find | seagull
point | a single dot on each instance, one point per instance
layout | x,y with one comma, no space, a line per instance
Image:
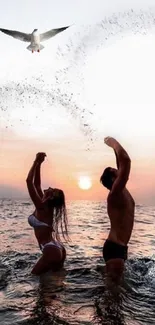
35,38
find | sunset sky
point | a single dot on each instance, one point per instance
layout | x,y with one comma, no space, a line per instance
93,80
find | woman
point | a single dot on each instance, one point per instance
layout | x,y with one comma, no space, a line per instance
49,215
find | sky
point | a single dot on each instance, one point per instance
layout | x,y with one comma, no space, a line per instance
91,81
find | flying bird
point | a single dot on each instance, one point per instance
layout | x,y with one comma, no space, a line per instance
35,37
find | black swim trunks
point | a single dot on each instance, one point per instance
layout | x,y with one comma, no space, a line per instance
112,250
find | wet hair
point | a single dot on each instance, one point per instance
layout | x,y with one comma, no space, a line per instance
107,178
59,215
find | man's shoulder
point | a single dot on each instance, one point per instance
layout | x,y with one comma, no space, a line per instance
120,197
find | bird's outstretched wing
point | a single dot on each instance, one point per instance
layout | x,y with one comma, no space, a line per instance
21,36
51,33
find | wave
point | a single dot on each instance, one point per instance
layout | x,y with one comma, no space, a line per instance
82,288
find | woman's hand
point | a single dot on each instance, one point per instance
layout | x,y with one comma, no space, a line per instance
40,157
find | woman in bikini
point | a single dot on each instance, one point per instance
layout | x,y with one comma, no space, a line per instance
48,217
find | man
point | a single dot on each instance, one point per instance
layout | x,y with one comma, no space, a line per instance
120,208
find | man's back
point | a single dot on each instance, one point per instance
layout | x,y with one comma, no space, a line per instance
120,209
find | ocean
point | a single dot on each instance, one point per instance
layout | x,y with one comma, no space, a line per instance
77,294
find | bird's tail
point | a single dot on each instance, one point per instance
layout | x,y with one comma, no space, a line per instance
35,48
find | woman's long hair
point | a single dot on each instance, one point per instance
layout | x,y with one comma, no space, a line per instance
59,218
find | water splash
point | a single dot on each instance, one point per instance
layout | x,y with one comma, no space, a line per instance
50,89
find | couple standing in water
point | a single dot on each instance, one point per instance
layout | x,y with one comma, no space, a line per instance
50,218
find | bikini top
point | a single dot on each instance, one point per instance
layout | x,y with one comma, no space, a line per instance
34,222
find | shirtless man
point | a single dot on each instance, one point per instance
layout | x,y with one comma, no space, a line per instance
120,208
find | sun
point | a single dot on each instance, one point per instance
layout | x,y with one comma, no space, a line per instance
85,183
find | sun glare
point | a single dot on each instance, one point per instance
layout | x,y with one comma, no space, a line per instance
85,183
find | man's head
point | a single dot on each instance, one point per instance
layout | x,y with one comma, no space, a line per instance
108,177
